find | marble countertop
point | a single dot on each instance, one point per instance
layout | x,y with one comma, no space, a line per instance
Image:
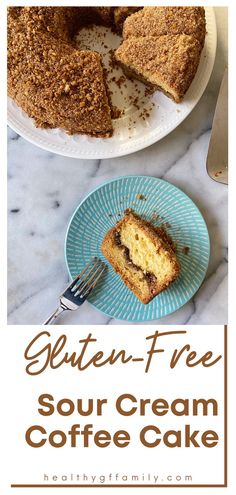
44,189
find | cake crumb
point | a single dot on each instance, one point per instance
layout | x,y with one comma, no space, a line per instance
154,216
185,249
141,197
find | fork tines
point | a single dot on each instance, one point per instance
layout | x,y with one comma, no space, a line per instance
88,278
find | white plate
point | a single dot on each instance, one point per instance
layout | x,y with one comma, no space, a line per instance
136,128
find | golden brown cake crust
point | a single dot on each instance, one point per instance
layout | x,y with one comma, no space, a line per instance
170,61
157,21
163,244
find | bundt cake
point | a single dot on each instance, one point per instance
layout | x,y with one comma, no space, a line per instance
162,47
143,255
60,85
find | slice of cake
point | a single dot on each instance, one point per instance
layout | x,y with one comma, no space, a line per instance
156,21
143,255
168,63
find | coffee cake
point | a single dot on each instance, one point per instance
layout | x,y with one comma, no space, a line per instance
143,255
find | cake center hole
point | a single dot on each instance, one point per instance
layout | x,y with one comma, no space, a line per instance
127,96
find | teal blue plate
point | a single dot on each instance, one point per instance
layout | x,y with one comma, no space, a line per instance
154,199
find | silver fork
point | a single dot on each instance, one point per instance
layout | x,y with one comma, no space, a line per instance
79,289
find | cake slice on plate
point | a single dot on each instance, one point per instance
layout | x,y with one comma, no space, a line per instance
143,255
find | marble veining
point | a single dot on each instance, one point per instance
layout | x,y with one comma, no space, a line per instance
44,189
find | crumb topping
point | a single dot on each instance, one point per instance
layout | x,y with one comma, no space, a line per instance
59,84
168,62
157,21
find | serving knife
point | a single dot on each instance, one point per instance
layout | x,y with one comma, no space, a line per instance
217,157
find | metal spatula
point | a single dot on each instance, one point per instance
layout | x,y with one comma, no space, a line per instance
217,158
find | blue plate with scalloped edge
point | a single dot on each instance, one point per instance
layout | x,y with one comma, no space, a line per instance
155,200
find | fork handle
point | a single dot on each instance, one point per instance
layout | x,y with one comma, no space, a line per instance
54,315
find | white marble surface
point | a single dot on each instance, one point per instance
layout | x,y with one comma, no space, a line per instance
44,189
